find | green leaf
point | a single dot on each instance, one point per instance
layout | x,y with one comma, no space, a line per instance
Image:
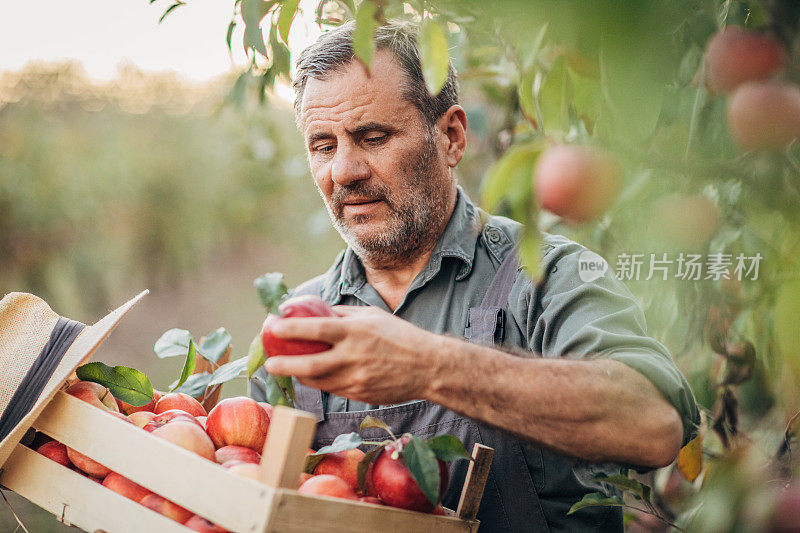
343,442
554,93
281,56
255,356
421,462
595,499
435,55
229,35
627,484
288,11
279,390
188,365
311,463
271,290
195,385
530,248
510,179
125,383
169,10
215,345
448,448
173,343
253,11
363,42
228,371
372,422
363,467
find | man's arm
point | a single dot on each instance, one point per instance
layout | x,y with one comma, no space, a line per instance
599,410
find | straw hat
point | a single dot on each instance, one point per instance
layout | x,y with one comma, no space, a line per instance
39,351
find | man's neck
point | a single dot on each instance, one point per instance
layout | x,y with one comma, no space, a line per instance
392,280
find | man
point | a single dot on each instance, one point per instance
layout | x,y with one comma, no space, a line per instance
424,269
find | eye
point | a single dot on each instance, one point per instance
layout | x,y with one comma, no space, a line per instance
376,139
324,149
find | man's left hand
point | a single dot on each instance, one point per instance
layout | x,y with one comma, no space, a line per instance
375,356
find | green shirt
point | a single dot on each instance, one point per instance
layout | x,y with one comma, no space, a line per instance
596,319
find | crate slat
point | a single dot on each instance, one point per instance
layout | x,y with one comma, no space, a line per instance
77,500
300,513
177,474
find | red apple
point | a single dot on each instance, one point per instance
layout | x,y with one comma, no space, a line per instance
166,507
764,115
188,435
126,487
576,182
304,476
439,510
95,394
169,416
397,488
203,420
342,464
241,453
128,409
735,55
56,451
268,408
328,485
238,421
198,523
141,418
233,462
300,306
179,400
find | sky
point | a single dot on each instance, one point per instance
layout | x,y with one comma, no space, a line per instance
101,34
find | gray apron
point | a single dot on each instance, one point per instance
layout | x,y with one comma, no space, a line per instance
510,501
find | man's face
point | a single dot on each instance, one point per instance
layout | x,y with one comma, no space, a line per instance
378,166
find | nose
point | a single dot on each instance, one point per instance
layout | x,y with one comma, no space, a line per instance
349,165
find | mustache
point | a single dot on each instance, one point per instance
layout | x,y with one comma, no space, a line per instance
360,190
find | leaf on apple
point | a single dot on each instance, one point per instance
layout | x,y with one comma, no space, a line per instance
363,467
423,466
595,499
215,345
125,383
627,484
372,422
271,290
255,356
343,442
173,343
188,365
448,448
228,371
194,386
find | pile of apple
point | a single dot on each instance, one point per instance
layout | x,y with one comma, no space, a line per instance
232,434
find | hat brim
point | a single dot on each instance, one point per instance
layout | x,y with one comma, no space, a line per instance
80,351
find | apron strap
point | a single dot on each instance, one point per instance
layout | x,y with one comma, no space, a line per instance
487,323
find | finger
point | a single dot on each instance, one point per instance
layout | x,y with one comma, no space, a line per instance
329,330
303,366
351,310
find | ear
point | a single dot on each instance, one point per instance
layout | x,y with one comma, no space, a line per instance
453,124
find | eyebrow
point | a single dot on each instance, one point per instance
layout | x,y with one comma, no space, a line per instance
355,132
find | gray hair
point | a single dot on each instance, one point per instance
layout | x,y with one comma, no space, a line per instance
334,50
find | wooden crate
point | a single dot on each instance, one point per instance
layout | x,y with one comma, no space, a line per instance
236,503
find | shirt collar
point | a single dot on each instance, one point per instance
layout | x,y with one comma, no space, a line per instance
457,241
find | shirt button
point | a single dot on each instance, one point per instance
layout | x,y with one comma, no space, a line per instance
493,235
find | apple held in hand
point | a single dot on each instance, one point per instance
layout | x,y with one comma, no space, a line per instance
238,421
300,306
395,485
179,400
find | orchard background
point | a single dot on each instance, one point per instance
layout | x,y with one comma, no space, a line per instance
195,189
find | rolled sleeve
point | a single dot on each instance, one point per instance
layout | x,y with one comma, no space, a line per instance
597,319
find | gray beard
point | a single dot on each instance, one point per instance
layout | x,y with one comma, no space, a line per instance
417,217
